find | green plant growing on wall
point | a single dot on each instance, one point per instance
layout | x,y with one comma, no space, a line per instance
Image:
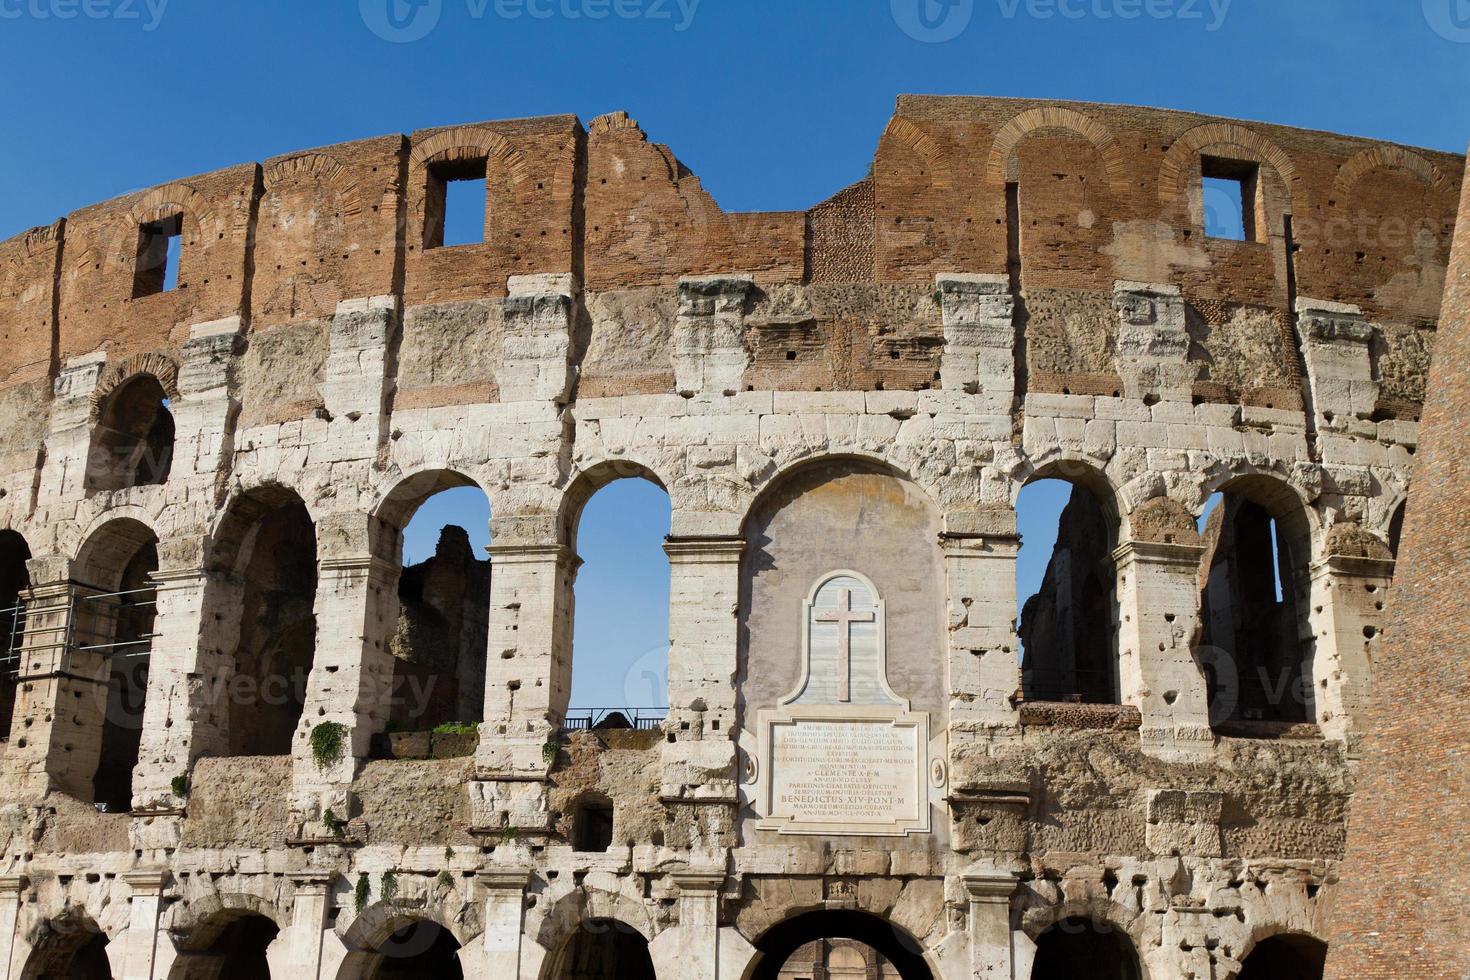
510,834
549,751
446,879
388,885
180,785
333,825
328,742
457,728
361,892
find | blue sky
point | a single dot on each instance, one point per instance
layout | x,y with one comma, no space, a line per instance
776,104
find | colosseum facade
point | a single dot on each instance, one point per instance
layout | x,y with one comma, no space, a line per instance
225,397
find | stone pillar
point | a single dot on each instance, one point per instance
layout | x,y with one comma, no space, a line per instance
709,336
536,346
69,442
61,693
1336,340
527,678
354,391
204,412
140,943
991,951
186,713
704,592
1153,342
505,912
980,552
11,887
309,923
699,923
979,335
352,667
1158,606
1353,596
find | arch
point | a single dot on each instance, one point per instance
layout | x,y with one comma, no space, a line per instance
229,943
593,478
1002,165
908,134
1187,148
776,945
563,917
70,945
263,593
1084,946
1080,471
313,170
601,949
1388,157
1396,528
397,507
782,475
133,428
163,370
387,942
196,923
472,143
169,201
1285,956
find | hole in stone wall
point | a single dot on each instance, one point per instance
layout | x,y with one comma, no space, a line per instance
1229,189
160,251
456,207
592,827
133,443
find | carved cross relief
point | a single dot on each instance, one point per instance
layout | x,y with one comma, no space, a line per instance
843,645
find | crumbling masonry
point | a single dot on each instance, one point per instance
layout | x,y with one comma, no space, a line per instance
203,490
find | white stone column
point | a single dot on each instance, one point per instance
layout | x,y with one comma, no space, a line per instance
704,592
536,344
1153,341
1336,340
1158,606
709,352
699,923
352,667
141,940
979,335
204,412
1353,596
505,913
11,887
64,472
308,923
991,950
984,651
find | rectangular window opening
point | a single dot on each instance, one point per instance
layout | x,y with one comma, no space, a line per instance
160,250
1230,191
457,206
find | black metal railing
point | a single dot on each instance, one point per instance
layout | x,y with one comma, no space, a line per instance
637,719
116,625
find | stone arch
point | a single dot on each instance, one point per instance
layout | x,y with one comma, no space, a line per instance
1082,471
397,506
160,366
317,169
70,944
911,136
1002,164
224,936
773,480
561,919
593,478
200,218
1041,916
390,940
1104,947
1295,954
1186,149
133,429
1388,157
472,143
895,943
194,923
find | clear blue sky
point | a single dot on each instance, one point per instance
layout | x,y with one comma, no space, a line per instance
776,104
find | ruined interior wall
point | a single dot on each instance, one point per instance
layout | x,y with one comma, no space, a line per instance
1408,832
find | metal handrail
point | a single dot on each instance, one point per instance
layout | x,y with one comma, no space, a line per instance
98,635
641,719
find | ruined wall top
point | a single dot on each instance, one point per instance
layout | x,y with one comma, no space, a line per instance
1101,194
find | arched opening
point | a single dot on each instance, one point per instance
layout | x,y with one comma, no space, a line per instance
1065,583
266,552
1255,639
592,823
1286,957
113,614
14,580
416,950
439,646
69,951
229,946
856,938
620,638
603,949
1396,529
133,444
1078,947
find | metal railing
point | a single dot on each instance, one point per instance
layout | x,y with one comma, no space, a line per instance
114,625
637,719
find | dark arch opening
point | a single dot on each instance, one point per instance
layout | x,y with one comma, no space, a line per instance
267,552
1077,947
1396,529
1286,957
417,951
79,954
134,441
1066,606
1255,640
603,949
14,580
783,941
234,948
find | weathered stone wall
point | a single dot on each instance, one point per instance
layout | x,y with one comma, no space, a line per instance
1019,290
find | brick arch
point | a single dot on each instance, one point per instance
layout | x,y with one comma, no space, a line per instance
1008,139
317,168
158,366
1186,149
1388,157
471,143
167,201
909,135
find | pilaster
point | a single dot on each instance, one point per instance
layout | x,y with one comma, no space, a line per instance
1352,594
979,334
984,651
991,949
1153,342
140,950
505,913
536,344
709,335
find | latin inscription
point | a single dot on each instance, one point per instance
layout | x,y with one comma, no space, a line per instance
847,772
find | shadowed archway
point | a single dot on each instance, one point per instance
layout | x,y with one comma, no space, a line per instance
894,944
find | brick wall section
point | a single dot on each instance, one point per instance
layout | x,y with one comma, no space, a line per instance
1404,912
